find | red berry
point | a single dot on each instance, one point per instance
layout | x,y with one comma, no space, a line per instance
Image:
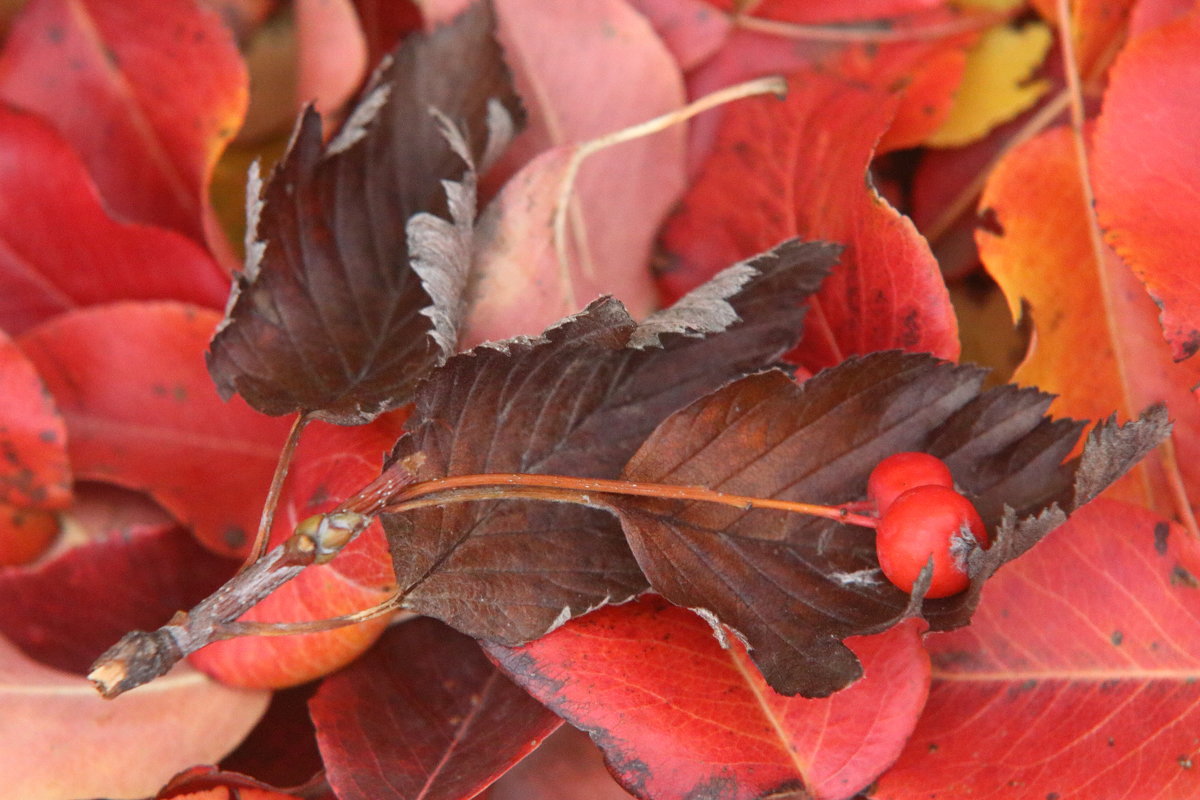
900,472
928,521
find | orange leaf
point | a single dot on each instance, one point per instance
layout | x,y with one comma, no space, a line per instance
1096,341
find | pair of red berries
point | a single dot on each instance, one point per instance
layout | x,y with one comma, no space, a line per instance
921,516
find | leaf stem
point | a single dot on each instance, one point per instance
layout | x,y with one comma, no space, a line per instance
772,84
561,488
267,521
875,31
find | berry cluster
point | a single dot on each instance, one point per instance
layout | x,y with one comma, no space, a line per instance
921,516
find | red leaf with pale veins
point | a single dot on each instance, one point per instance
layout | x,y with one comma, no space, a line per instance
1144,149
69,609
423,715
1079,677
63,740
330,464
34,472
142,412
678,716
45,192
799,167
148,91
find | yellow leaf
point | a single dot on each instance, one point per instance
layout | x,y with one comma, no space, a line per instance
996,85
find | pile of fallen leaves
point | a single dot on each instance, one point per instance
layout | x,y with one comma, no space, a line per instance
577,245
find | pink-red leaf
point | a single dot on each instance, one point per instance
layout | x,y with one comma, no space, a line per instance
423,716
148,92
678,716
60,248
34,472
1143,150
142,412
1078,677
64,740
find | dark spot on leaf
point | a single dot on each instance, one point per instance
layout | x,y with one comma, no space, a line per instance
55,34
234,536
1112,742
988,221
1188,345
112,57
910,334
1052,796
1161,531
1109,685
179,393
933,748
48,436
1116,638
1185,761
1180,576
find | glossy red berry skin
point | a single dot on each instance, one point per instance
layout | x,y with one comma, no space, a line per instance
927,521
899,472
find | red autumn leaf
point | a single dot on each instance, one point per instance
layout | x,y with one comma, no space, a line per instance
282,748
1149,14
809,157
385,22
1035,241
423,715
210,783
329,465
64,612
577,401
621,195
147,91
45,192
64,740
691,29
142,412
34,472
1097,28
358,249
1143,150
1078,677
678,716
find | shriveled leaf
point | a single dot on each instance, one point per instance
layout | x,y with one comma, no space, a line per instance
794,586
66,611
997,84
1096,343
358,249
62,249
578,401
147,91
424,714
34,472
141,412
641,679
1143,152
64,740
621,195
799,167
1077,677
330,463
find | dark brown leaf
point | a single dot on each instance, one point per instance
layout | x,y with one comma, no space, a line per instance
578,401
358,250
794,586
